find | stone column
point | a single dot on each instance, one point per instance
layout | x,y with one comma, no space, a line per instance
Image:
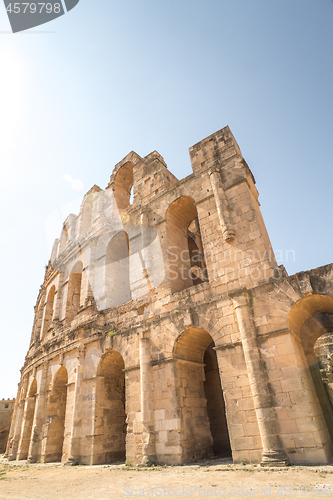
273,453
75,439
39,418
13,423
144,253
28,417
58,298
222,205
148,434
18,424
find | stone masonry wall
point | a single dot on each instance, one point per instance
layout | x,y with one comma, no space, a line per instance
164,331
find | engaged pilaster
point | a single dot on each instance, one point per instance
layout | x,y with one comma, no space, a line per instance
35,446
222,205
273,453
148,434
74,445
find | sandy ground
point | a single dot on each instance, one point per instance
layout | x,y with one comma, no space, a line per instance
212,479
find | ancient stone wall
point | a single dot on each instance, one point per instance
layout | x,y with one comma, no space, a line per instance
164,331
6,412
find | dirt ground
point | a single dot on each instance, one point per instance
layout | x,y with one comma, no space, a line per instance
211,479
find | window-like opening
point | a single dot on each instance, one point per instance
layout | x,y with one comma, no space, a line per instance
185,250
6,406
123,186
324,352
74,292
48,310
131,195
63,240
86,215
215,404
28,418
110,419
311,318
56,417
204,429
322,374
117,271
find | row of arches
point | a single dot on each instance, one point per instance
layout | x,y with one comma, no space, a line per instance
46,311
183,253
197,388
311,318
195,360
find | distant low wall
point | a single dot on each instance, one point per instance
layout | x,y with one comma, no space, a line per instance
6,411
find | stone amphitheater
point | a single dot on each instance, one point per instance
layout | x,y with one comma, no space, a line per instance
165,332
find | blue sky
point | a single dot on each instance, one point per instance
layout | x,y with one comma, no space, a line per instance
79,93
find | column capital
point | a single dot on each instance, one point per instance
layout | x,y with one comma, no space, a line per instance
144,341
213,170
81,348
240,297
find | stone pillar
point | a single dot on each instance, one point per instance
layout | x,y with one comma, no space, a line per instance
75,439
222,205
13,423
95,436
28,417
148,434
58,298
144,253
272,453
39,418
18,424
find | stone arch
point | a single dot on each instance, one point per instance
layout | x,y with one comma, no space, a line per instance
86,215
123,184
310,318
117,270
56,413
38,322
48,310
183,237
28,418
301,313
74,291
63,240
110,413
203,425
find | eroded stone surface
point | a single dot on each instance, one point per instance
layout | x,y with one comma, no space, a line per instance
165,331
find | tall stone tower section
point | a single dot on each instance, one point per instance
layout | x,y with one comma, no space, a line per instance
232,222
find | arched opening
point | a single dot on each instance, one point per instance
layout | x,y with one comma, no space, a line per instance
110,416
123,184
117,271
185,250
86,216
37,322
56,417
48,311
28,418
311,318
63,240
215,404
74,291
204,431
324,353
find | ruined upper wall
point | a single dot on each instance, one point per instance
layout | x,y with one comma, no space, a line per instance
6,411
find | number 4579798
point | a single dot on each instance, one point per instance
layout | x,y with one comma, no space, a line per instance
32,8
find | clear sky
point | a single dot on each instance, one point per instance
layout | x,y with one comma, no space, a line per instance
81,92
